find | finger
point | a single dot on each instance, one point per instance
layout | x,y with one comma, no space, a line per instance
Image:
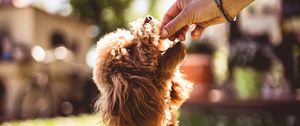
200,27
174,25
181,33
185,28
180,36
196,33
173,11
172,38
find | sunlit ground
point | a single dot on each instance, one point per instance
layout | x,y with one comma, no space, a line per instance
82,120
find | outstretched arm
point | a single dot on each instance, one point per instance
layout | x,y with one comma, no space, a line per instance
202,13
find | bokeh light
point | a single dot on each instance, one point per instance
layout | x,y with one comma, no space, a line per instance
91,57
92,31
38,53
21,3
60,52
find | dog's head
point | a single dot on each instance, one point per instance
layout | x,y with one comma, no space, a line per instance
135,51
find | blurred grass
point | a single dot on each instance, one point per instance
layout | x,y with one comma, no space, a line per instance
82,120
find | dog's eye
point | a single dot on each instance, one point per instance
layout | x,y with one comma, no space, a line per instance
130,49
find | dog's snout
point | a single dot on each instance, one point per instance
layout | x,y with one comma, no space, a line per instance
147,19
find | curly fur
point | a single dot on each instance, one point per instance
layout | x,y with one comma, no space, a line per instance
139,85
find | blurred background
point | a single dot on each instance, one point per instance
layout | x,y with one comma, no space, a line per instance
245,73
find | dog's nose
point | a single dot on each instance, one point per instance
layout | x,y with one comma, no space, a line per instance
147,19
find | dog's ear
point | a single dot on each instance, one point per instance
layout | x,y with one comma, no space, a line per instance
145,102
132,101
111,100
170,60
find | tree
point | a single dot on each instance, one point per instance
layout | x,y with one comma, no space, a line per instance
107,14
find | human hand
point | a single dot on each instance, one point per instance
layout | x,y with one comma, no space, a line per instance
183,13
202,13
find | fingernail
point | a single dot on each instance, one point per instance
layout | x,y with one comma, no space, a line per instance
197,33
163,33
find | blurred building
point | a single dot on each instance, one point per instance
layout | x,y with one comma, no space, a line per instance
36,27
42,62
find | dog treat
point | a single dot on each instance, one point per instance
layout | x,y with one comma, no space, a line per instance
139,85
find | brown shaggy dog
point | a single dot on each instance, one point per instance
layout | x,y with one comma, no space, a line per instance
139,84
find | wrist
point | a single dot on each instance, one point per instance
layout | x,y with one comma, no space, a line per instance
234,7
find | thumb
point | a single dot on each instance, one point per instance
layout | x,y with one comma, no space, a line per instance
174,25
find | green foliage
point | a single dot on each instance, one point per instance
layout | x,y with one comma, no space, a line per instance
107,14
152,7
247,82
212,118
